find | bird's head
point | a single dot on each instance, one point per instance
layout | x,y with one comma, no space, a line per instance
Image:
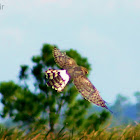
85,71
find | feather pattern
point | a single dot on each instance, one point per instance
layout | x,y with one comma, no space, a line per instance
58,79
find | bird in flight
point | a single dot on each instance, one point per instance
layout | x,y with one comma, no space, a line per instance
58,79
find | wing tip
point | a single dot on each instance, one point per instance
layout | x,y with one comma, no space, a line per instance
109,109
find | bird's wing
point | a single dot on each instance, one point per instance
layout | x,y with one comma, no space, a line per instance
62,59
58,79
88,91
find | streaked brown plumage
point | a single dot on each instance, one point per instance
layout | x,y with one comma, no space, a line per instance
77,74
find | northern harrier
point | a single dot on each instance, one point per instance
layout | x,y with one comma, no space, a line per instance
58,79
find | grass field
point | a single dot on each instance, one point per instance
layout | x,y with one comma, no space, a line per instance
115,133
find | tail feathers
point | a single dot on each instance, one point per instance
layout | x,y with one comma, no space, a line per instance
57,79
55,84
51,74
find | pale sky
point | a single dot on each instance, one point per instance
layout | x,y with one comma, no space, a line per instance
107,32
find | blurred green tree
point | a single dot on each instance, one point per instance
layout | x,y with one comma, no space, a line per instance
137,96
120,105
38,104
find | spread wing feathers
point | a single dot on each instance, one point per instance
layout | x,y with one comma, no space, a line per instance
62,59
58,79
88,91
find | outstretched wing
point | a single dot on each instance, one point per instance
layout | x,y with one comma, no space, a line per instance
58,79
88,91
62,59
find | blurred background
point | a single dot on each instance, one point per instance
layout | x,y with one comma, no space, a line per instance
105,33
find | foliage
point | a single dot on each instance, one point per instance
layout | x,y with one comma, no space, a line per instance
120,104
42,105
115,133
137,95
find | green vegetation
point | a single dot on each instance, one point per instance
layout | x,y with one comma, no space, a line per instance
116,133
